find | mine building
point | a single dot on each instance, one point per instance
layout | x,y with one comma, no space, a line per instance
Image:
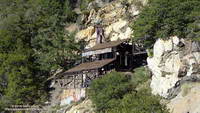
97,61
104,57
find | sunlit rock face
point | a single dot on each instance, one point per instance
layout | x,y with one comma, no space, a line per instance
115,18
172,60
187,101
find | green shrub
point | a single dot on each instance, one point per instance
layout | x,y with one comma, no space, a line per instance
141,102
71,16
118,93
150,52
105,92
140,75
83,4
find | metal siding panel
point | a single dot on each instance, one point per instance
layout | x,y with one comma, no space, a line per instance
106,50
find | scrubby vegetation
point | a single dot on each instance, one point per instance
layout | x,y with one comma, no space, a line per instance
165,18
120,93
84,4
33,45
106,91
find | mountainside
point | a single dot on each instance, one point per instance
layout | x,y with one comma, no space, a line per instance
41,40
115,18
174,62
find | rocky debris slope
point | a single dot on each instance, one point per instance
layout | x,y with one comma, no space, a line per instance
83,107
115,18
175,67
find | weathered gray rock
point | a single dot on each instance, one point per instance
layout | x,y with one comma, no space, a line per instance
174,91
187,99
195,46
173,59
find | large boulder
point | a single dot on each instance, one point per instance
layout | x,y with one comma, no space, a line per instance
172,60
85,33
118,30
113,19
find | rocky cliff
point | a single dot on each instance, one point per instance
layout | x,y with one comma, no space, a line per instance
174,65
115,18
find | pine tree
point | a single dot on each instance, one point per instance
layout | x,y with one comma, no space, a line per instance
33,44
165,18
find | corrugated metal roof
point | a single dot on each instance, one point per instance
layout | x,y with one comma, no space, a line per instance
90,65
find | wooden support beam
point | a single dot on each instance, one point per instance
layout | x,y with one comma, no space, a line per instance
74,81
138,53
82,83
133,47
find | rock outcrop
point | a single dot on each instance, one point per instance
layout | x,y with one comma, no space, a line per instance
115,18
172,60
175,63
175,67
188,100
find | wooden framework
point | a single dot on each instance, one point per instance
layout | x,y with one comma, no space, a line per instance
80,80
100,59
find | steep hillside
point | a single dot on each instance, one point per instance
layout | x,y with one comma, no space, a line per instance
115,18
174,61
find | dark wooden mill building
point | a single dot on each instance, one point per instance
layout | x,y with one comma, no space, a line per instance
97,61
100,59
104,57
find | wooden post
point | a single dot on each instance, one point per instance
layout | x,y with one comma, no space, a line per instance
82,85
133,47
74,77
